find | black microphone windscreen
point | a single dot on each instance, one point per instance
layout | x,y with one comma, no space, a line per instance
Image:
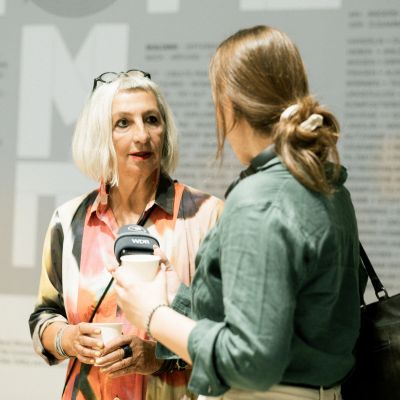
133,239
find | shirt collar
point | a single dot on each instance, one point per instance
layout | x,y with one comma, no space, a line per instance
257,163
165,196
261,159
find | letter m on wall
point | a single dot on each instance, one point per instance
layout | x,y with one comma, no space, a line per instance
51,75
51,78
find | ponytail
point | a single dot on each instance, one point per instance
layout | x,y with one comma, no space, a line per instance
305,138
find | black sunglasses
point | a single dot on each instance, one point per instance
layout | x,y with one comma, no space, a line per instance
108,77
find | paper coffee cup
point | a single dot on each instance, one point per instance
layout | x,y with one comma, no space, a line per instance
109,330
142,267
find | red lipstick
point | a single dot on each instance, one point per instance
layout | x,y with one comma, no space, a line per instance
143,155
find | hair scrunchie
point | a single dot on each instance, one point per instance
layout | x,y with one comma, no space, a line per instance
313,122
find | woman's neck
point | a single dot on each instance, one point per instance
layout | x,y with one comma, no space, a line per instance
246,142
129,199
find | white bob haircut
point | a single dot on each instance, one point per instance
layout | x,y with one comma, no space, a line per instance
92,146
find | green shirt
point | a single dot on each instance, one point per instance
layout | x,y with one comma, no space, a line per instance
276,287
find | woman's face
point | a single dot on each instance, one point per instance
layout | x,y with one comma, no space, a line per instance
138,133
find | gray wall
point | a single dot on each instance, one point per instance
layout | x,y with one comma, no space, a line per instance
50,50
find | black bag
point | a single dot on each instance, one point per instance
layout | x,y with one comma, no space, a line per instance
376,375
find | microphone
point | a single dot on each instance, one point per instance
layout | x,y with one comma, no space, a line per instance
133,239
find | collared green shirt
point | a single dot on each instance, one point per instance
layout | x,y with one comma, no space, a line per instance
276,287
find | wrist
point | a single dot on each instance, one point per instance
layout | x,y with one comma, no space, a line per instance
69,335
58,342
171,366
150,318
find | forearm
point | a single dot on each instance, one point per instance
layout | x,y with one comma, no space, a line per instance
49,337
164,325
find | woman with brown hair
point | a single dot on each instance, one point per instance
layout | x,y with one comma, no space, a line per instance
275,299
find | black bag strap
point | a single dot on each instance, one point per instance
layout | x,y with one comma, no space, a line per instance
380,291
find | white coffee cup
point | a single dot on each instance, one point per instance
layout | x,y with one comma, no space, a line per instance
109,330
139,267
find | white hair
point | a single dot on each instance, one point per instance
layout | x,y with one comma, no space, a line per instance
92,146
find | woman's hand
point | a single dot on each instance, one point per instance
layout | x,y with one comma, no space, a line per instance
172,278
138,299
82,341
142,361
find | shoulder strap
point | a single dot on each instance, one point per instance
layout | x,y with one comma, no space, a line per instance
379,289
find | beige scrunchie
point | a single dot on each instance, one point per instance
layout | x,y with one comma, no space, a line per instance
313,122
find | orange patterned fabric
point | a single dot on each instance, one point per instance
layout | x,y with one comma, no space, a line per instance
79,247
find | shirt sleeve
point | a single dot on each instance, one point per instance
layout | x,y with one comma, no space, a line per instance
49,307
259,252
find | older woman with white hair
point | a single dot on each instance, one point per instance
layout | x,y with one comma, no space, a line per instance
126,140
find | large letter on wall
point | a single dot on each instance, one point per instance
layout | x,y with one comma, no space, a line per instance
52,77
2,7
163,6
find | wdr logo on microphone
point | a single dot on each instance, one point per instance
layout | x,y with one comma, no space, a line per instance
140,241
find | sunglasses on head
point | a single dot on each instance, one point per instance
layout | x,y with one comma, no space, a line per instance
108,77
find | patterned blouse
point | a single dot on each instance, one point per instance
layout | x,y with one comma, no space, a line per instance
77,250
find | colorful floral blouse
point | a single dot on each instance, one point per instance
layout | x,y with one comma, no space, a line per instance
77,250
